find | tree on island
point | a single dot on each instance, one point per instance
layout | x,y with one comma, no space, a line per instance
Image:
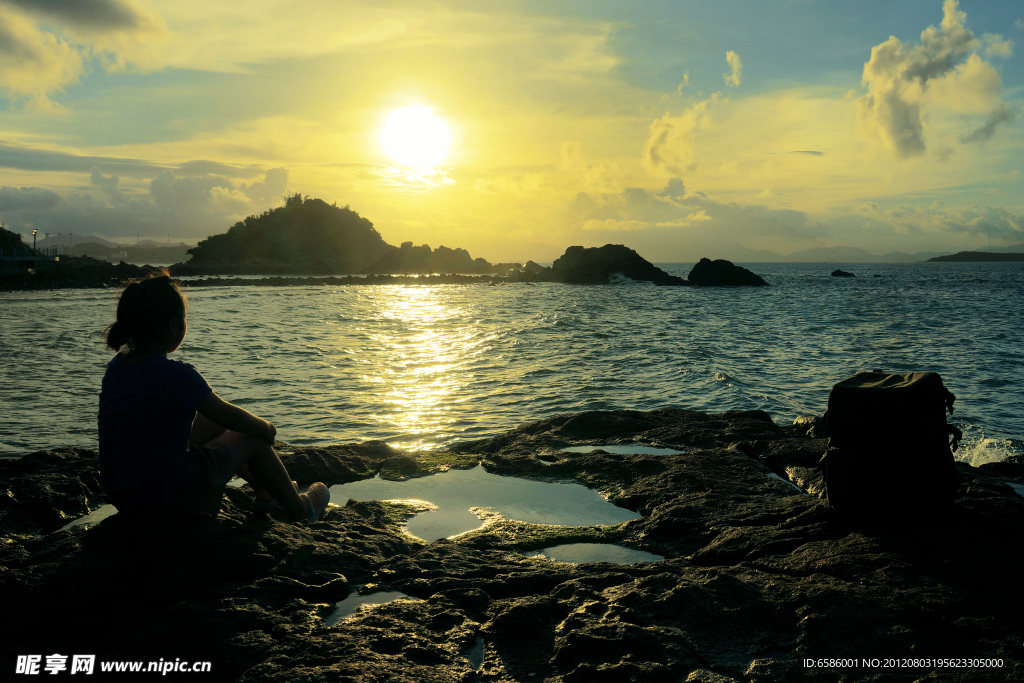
10,240
311,236
305,232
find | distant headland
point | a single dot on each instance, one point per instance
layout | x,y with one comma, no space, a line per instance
976,257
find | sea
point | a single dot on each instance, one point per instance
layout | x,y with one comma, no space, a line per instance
424,366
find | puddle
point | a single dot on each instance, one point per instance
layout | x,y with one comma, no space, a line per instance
623,449
582,553
787,481
456,491
1019,488
354,603
476,654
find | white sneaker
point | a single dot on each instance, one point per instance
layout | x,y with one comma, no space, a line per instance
319,496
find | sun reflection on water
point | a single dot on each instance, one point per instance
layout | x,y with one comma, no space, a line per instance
427,349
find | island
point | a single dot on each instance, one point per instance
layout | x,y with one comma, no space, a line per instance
976,257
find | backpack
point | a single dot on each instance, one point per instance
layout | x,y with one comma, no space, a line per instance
889,455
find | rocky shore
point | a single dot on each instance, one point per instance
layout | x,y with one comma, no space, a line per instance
758,578
610,264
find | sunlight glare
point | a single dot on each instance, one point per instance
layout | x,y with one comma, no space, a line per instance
414,136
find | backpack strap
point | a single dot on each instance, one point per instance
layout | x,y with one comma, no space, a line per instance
957,435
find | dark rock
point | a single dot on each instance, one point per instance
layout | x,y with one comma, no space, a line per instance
596,265
75,272
722,273
757,578
45,490
841,273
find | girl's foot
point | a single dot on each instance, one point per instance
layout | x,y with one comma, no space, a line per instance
315,500
269,503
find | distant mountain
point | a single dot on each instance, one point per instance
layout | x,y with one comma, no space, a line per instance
67,239
856,255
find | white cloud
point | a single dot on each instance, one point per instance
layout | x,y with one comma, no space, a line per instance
997,46
670,145
903,82
736,66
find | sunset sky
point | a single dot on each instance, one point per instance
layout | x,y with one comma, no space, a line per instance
681,129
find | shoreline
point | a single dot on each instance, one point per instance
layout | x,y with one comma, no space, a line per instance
757,578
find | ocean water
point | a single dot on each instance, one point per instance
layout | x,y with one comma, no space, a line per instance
423,366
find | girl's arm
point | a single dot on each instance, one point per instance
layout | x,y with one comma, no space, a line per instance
236,419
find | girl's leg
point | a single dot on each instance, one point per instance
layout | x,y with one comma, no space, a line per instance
205,430
266,470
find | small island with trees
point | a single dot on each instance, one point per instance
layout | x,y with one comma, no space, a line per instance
310,236
976,257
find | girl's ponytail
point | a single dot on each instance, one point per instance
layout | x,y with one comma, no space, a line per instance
145,312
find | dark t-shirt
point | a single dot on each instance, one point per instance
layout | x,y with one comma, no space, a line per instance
145,420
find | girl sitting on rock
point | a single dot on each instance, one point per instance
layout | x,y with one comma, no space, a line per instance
168,443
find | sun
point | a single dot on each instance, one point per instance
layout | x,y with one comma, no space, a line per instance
415,137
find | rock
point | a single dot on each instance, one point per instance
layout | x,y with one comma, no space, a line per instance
596,265
45,490
841,273
758,577
75,272
721,273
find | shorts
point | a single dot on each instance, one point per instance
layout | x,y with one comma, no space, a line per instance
214,468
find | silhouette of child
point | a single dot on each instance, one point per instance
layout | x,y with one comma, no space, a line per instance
168,443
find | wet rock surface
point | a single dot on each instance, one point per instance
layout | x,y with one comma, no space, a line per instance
75,272
757,578
722,273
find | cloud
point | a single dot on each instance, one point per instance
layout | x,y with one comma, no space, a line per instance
27,198
1001,114
180,194
35,159
737,68
938,218
94,14
670,143
673,207
35,63
526,185
274,185
204,167
903,82
107,184
996,46
190,207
